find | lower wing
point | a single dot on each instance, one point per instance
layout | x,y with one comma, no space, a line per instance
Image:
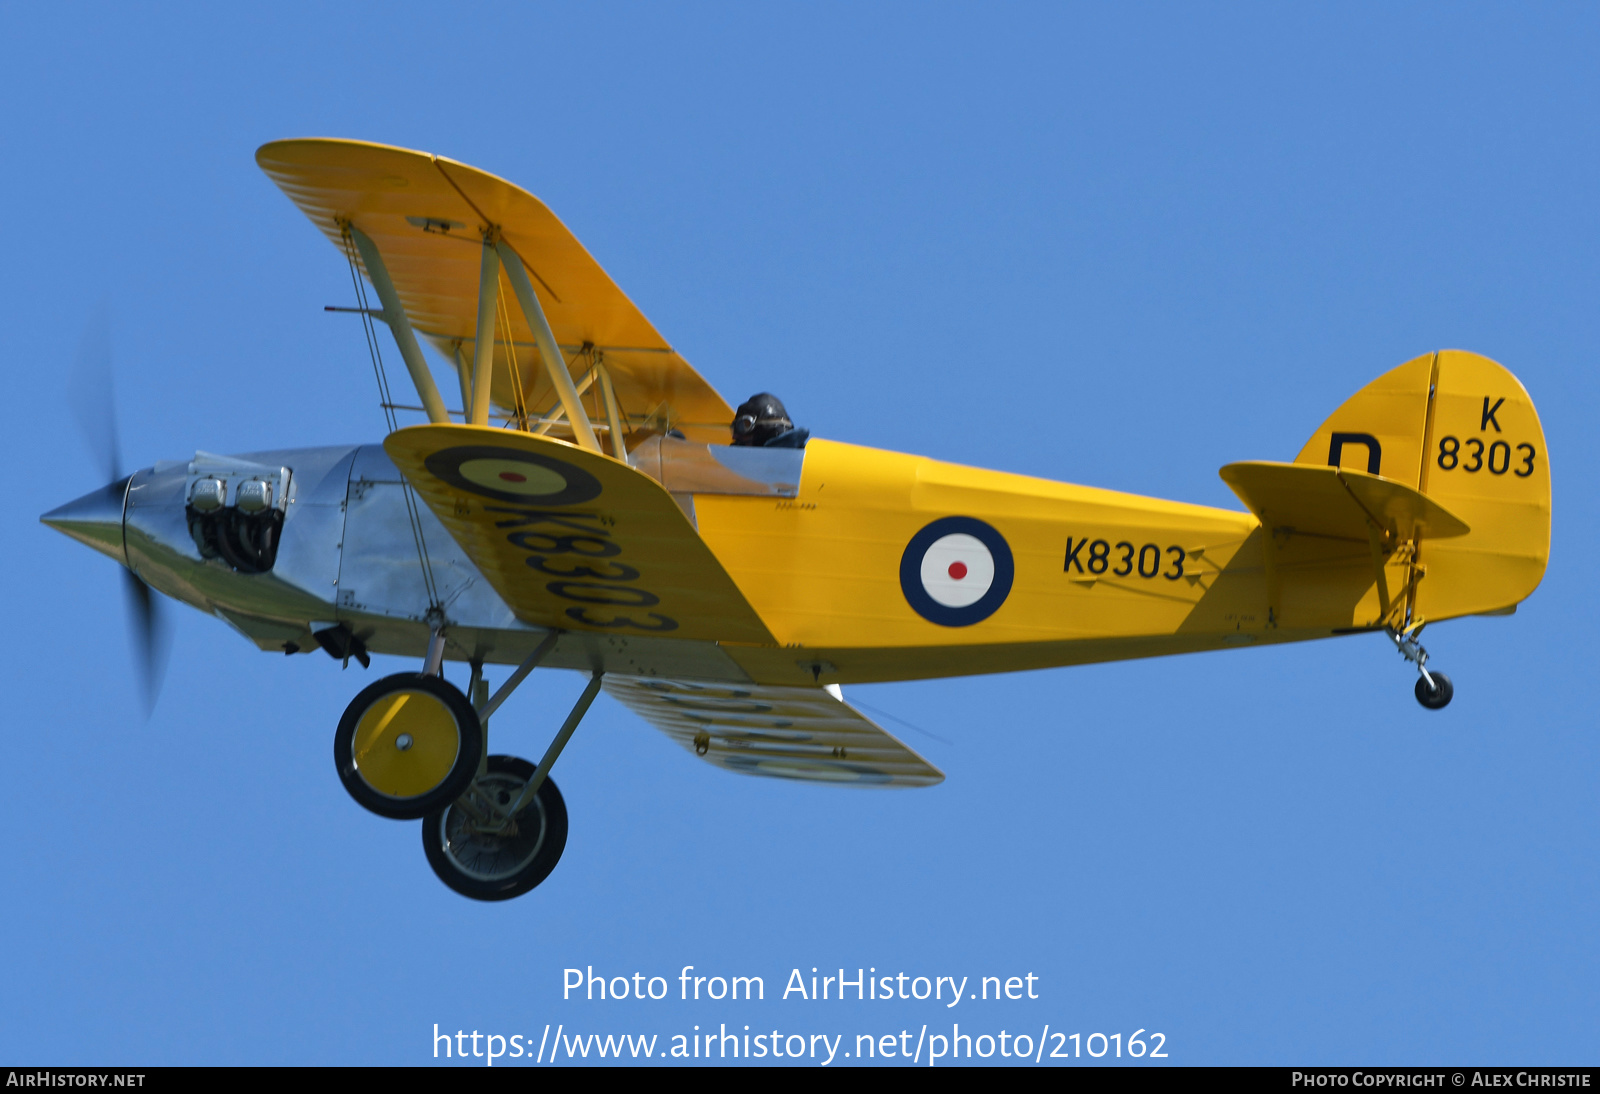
782,732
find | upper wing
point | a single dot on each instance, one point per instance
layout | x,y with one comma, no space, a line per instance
1330,501
425,213
572,539
789,733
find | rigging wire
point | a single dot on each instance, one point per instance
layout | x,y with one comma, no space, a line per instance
386,400
909,725
588,354
557,413
503,322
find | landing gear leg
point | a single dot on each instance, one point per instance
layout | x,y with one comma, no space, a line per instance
504,835
1433,689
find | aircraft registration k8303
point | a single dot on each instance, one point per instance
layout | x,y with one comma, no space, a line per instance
587,512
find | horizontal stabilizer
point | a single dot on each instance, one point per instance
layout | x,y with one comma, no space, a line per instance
781,732
1338,502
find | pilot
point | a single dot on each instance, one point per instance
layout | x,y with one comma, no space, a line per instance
761,422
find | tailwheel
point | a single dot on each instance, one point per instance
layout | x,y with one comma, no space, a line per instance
497,841
1435,691
408,745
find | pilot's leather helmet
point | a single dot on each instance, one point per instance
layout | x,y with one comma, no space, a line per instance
759,419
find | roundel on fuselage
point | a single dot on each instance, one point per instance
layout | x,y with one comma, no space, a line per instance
956,572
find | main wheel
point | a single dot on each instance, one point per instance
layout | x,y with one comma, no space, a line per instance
488,865
1437,697
407,745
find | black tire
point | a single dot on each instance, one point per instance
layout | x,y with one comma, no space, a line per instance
486,867
1437,697
464,765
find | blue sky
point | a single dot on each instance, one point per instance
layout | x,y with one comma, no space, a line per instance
1119,246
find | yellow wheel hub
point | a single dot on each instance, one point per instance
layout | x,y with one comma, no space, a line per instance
406,744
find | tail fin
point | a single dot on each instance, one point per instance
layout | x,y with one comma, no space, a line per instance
1461,429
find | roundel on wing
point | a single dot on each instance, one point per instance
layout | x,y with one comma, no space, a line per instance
956,572
506,474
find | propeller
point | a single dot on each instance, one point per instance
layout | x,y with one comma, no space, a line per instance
92,398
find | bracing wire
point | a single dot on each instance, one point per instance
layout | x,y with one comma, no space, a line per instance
386,400
909,725
503,322
367,328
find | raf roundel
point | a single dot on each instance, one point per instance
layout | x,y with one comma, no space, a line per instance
956,572
508,474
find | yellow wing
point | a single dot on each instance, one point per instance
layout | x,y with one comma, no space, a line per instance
782,732
426,214
572,539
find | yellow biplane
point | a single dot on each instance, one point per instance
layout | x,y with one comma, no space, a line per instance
585,509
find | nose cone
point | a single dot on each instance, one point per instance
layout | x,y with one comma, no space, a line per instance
95,519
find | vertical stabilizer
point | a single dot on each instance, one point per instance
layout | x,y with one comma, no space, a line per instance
1461,429
1380,429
